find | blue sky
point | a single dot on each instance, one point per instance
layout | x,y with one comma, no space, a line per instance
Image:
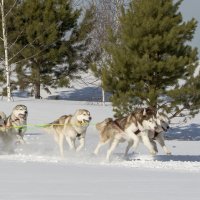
191,9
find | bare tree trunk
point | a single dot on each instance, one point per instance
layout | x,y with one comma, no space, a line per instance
37,90
36,80
5,42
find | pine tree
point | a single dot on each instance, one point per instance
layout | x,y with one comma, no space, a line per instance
151,61
50,43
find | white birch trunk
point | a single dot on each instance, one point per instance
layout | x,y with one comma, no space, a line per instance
5,42
103,96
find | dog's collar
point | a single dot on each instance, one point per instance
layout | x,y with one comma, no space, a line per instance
80,123
116,123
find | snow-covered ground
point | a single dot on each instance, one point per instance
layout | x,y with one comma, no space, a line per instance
37,172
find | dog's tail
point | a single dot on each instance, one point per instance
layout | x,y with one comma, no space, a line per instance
101,125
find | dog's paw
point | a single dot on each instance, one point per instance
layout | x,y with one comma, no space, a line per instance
153,152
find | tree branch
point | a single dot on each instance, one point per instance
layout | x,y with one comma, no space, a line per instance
15,40
11,8
178,112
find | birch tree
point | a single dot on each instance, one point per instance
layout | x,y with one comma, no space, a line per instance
107,17
5,45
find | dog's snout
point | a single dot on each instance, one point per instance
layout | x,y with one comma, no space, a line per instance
90,118
26,112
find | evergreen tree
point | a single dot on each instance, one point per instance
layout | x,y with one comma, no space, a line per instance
151,61
51,45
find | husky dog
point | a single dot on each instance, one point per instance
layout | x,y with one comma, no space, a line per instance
126,129
2,118
2,122
158,135
70,127
14,127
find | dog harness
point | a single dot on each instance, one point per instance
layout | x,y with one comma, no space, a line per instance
116,123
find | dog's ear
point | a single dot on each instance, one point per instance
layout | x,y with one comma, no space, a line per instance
129,118
108,120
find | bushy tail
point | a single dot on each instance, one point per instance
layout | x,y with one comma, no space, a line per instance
101,125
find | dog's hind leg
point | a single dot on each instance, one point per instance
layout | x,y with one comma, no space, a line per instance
60,143
161,141
111,149
99,145
130,144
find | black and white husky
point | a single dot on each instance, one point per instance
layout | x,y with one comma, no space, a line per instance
130,128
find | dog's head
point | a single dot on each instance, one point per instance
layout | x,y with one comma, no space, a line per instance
83,116
149,124
146,119
162,121
20,112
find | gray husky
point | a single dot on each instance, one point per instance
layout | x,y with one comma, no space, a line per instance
70,127
14,127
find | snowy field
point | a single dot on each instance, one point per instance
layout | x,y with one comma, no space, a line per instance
36,171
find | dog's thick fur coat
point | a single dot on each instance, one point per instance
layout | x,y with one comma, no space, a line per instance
14,127
126,129
70,127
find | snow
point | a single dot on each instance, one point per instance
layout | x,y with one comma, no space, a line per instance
36,170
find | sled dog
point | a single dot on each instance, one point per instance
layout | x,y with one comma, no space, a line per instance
14,127
70,127
2,119
126,129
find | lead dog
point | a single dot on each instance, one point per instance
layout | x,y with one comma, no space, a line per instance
2,123
2,119
14,127
70,127
125,129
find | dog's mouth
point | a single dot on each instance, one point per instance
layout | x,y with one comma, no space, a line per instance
86,120
159,129
22,116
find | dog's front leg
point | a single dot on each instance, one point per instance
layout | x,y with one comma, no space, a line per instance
147,143
70,142
130,144
20,139
60,143
81,145
161,141
154,145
